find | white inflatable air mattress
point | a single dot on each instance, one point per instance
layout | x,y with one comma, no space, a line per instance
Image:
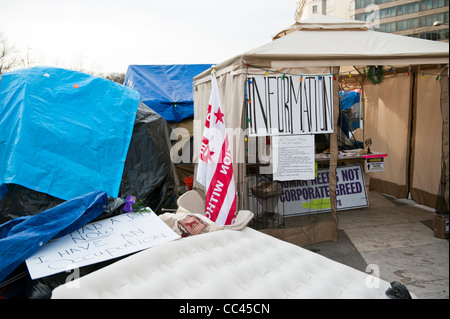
225,264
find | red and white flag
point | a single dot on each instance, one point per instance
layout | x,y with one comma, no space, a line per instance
215,167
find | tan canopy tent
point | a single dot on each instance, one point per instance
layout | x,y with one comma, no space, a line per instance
327,45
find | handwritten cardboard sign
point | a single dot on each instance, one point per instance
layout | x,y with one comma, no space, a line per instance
303,197
99,241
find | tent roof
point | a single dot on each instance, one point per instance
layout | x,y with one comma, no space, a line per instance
328,41
323,22
331,47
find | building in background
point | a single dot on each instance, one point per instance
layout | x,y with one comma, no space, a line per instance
427,19
335,8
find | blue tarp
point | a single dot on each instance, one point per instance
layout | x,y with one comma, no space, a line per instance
166,89
21,237
348,99
63,132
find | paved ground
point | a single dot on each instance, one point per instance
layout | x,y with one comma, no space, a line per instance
394,238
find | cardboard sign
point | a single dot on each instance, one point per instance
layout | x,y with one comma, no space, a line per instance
302,197
99,241
289,104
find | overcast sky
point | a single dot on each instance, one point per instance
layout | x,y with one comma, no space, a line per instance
109,35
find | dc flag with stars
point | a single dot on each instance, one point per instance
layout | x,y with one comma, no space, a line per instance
215,167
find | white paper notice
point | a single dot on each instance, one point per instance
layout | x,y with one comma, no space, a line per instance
99,241
293,157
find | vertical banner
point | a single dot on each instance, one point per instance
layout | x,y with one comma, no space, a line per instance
215,167
294,104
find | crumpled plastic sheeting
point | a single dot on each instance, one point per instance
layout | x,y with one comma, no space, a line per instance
20,201
64,133
166,89
22,237
348,99
149,173
398,291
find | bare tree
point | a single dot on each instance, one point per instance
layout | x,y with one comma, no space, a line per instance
8,56
83,63
116,77
27,60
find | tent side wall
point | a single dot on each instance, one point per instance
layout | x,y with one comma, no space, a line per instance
443,204
402,116
386,122
427,140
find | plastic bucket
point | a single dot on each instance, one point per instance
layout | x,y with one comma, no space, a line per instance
189,181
